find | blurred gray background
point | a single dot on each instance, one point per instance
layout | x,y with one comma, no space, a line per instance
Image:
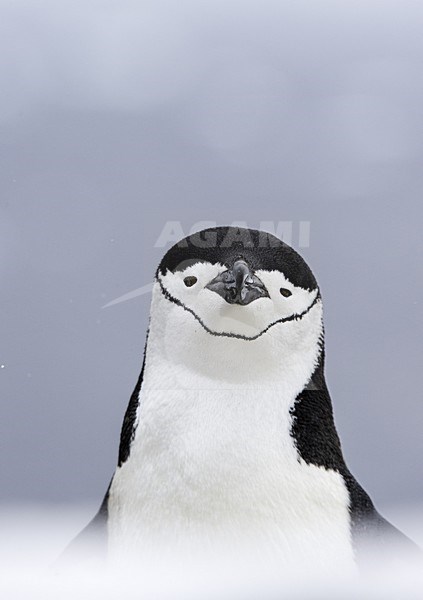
118,117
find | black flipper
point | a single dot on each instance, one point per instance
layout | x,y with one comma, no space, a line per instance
127,433
317,442
89,547
91,543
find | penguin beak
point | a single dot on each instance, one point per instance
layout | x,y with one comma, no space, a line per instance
238,285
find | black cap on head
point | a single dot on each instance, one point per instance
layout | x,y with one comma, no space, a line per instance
225,245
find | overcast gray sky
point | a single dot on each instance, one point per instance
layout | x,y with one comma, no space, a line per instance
118,117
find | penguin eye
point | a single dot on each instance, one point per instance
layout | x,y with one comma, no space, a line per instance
285,292
190,280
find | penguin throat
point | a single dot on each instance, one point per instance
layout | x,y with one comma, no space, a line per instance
249,338
187,357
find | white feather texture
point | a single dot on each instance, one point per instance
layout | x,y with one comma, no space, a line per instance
213,467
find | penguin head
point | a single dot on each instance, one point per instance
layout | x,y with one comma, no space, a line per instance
236,283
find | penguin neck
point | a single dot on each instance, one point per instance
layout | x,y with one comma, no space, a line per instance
180,354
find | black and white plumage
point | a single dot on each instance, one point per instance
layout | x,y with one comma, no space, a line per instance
229,436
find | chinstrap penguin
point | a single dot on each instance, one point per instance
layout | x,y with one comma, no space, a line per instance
229,439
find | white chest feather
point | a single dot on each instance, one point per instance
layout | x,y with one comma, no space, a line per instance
213,464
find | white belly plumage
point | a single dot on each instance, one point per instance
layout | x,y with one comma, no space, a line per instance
214,471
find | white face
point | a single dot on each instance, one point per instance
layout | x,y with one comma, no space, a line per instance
251,321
